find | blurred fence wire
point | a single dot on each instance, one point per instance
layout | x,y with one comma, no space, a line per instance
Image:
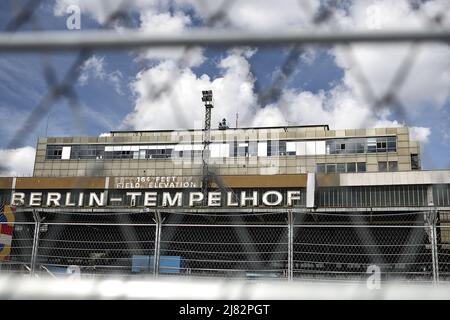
214,32
208,289
270,245
283,245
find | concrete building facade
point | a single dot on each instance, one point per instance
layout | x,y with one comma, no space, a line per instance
242,151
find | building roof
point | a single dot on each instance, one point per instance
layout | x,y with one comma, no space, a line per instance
324,126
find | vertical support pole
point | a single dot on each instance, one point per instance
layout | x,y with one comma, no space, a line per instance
431,220
434,246
290,219
34,249
156,256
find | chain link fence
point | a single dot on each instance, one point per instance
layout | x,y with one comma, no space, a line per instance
280,245
214,30
271,245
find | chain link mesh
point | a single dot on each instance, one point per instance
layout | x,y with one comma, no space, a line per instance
219,18
332,247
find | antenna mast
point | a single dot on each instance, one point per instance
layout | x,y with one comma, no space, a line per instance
207,99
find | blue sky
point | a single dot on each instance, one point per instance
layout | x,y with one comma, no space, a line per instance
116,89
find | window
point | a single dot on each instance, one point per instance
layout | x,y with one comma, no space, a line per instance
242,150
415,161
54,152
391,144
330,147
331,168
272,148
360,145
382,166
351,167
361,167
87,152
393,166
371,145
282,148
340,167
340,147
381,144
320,168
276,148
158,153
253,148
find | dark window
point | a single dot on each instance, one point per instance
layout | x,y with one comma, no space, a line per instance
54,152
282,148
157,153
391,144
320,168
360,146
88,152
393,166
382,166
340,167
381,144
351,167
415,161
361,167
331,168
276,148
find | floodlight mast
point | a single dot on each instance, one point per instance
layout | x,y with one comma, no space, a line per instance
207,98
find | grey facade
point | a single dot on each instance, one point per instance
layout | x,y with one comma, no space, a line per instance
242,151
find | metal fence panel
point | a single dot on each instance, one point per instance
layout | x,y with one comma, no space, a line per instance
96,248
345,252
249,251
16,252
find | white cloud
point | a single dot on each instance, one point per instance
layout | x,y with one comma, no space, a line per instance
265,15
379,63
181,105
419,134
17,162
169,23
338,108
94,68
343,106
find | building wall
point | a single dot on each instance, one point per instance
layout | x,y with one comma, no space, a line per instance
254,165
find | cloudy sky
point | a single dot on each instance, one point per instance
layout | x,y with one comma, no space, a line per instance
161,88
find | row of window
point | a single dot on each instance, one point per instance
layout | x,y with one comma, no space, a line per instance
341,167
361,145
224,150
383,166
378,196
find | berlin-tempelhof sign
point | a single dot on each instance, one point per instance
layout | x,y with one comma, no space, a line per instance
270,198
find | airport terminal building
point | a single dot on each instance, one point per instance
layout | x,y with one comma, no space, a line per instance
285,202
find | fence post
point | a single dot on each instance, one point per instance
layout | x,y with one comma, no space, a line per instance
290,245
157,243
434,247
34,249
431,223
